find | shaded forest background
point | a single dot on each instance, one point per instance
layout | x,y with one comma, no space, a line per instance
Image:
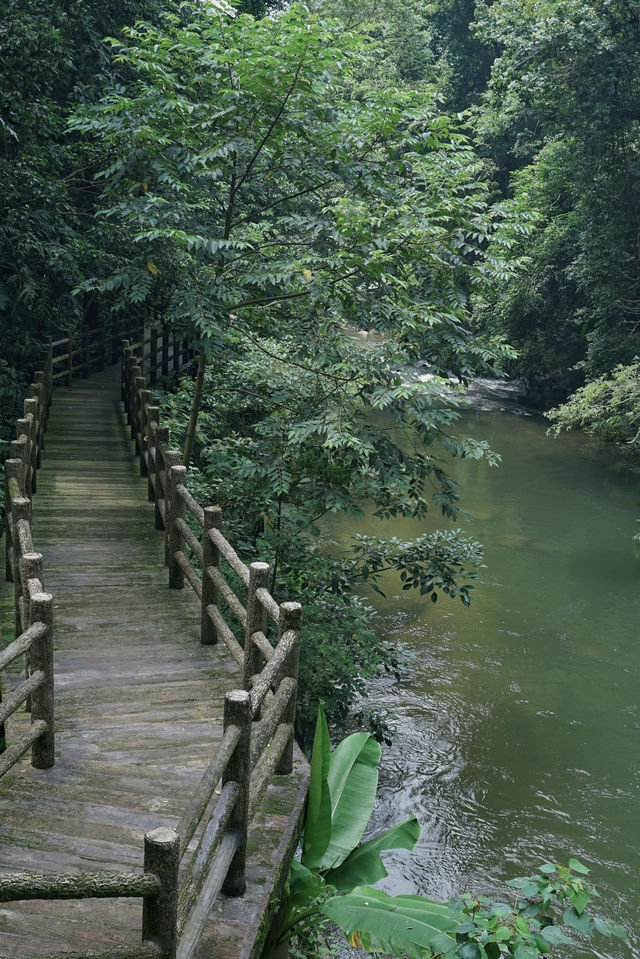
458,179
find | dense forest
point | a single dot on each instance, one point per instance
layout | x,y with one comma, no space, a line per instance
324,195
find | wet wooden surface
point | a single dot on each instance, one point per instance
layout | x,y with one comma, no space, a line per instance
138,698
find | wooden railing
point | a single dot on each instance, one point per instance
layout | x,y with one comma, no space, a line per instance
61,360
83,351
24,568
259,719
257,741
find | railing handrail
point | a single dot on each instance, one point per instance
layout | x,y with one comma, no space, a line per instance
33,607
259,720
21,478
158,884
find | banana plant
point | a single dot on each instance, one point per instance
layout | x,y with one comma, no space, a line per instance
330,879
342,791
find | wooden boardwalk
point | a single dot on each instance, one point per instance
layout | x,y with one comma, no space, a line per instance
138,699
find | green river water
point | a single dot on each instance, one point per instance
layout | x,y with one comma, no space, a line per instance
517,722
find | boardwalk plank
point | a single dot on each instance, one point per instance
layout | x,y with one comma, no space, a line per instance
138,698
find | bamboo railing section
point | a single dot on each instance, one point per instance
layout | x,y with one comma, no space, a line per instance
157,886
259,718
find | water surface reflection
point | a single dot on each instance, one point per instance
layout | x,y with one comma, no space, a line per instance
517,722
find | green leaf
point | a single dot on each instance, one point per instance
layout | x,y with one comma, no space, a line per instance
554,935
317,828
579,899
364,865
525,952
582,922
300,877
547,868
527,887
609,928
469,950
353,780
577,866
395,925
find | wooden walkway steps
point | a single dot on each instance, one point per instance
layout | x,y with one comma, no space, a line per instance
138,701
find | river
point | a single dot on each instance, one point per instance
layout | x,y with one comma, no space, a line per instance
516,724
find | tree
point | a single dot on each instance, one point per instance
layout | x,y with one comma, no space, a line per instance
294,205
562,108
53,59
279,203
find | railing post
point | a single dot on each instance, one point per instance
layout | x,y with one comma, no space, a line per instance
23,428
69,375
146,398
256,621
153,359
41,611
18,450
49,371
290,620
139,387
152,417
37,392
237,712
162,439
13,470
124,372
31,415
31,567
135,373
20,509
165,349
210,557
178,510
171,458
160,911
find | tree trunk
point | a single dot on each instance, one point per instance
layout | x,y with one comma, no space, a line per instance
195,406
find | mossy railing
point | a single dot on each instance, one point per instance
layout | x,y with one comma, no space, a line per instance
257,740
259,719
24,568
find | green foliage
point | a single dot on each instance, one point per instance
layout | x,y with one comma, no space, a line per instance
561,111
53,59
547,906
609,406
342,792
303,200
431,562
282,442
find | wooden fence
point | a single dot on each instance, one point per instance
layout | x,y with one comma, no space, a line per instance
259,719
24,568
76,353
257,741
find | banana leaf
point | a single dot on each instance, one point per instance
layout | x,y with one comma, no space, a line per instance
398,925
317,828
364,865
353,780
